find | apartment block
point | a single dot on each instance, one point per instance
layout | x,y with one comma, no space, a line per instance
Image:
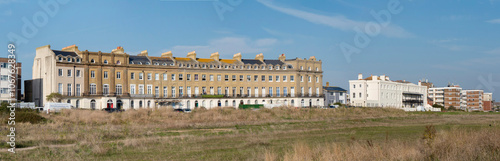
472,100
5,84
488,102
446,96
115,79
380,91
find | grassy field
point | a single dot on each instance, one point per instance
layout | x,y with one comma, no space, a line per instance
266,134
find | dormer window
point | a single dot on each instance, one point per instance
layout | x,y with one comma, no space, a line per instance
77,60
118,62
164,64
157,63
188,65
256,67
196,65
180,65
105,61
270,67
263,67
317,69
284,67
92,61
203,66
277,67
60,58
147,63
249,67
131,62
309,68
69,59
140,63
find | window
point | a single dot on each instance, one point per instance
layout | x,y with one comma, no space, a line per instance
181,91
105,89
270,78
118,62
60,88
165,91
353,86
150,89
69,72
292,78
78,73
60,59
188,77
277,78
218,77
132,104
292,92
196,77
172,77
263,91
92,61
226,77
285,91
93,89
263,77
284,78
165,76
105,61
132,75
132,89
157,91
5,77
69,89
360,95
219,90
149,76
77,92
271,91
157,76
141,76
141,89
255,78
181,77
118,89
105,74
249,78
309,79
317,79
173,91
278,92
241,78
256,91
118,75
301,78
212,92
211,77
60,72
309,68
234,78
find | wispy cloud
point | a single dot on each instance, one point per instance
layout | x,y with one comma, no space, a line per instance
494,51
228,46
497,21
337,22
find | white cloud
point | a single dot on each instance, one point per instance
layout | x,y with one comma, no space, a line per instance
337,22
494,21
228,46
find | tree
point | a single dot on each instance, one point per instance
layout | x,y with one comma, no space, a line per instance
54,97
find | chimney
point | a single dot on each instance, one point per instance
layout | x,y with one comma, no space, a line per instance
282,57
374,77
192,55
118,50
215,56
166,54
260,57
360,76
382,77
237,56
143,53
313,58
328,84
419,83
387,78
71,48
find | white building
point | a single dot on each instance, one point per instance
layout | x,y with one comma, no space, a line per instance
380,91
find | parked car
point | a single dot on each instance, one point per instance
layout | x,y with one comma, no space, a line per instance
187,110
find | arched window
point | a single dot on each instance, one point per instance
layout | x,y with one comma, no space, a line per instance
149,103
60,58
292,102
140,104
218,103
68,101
77,103
92,104
188,104
132,104
256,102
105,61
226,103
92,61
118,62
302,102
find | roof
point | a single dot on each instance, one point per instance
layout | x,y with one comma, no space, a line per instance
161,60
334,89
251,61
273,62
229,61
65,53
204,60
182,59
138,59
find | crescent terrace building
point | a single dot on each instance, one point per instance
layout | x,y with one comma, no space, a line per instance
99,80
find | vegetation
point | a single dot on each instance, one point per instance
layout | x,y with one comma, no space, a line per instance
212,96
264,134
54,97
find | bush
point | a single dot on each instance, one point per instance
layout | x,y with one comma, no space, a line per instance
28,116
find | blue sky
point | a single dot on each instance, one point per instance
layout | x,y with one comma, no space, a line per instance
443,41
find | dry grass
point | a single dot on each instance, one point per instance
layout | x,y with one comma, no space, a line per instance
456,144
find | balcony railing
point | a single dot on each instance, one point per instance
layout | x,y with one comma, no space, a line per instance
103,94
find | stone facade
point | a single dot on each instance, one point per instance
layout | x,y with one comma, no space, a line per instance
120,80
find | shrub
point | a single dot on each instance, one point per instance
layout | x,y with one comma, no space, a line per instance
28,116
